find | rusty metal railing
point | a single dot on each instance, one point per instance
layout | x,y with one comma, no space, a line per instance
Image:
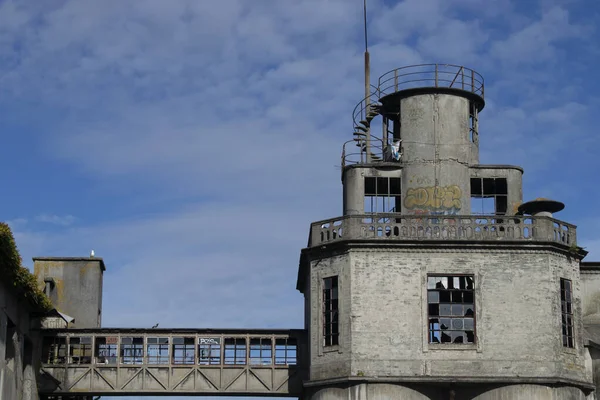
431,75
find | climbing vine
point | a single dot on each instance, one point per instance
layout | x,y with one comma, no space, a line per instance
13,273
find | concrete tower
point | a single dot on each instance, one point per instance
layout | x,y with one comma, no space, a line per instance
74,285
437,283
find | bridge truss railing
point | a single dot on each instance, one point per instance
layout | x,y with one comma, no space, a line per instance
172,362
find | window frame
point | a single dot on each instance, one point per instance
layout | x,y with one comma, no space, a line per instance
330,337
235,351
430,331
209,351
183,350
373,196
495,195
567,330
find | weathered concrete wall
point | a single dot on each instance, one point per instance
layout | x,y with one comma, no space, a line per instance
387,391
77,288
19,349
331,361
354,185
514,180
437,154
590,293
383,315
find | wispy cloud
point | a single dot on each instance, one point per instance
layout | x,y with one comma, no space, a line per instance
195,141
63,220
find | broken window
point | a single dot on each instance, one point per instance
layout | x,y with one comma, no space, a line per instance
106,350
235,351
261,352
489,196
566,301
285,351
451,303
54,350
132,350
473,123
331,331
209,351
382,194
80,350
157,350
184,350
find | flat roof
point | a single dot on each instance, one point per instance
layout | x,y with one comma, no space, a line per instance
99,259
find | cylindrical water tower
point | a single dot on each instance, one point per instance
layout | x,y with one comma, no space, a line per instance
427,137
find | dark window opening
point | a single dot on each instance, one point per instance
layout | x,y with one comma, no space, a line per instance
235,351
331,331
54,350
80,350
209,351
184,350
382,194
261,351
285,352
157,350
451,309
132,350
106,350
566,301
489,196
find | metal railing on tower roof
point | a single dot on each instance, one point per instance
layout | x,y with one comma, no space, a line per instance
431,75
421,76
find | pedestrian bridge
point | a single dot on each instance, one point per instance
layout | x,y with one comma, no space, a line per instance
173,362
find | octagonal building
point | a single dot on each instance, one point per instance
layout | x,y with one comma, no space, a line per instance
438,282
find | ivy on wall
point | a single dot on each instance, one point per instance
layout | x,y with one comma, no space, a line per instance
17,276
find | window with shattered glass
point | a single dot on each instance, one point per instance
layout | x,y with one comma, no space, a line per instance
451,308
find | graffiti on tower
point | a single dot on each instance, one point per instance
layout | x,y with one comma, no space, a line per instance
444,199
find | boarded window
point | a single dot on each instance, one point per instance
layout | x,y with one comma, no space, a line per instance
451,308
566,300
331,331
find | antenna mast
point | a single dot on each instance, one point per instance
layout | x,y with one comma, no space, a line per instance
367,84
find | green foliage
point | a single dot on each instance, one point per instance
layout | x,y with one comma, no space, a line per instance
11,271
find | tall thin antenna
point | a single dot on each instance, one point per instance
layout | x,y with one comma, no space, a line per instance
365,18
367,85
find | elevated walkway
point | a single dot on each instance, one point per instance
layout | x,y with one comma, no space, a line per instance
173,362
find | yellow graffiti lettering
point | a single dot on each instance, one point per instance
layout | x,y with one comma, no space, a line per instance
434,198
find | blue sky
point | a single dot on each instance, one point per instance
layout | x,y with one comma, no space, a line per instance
190,143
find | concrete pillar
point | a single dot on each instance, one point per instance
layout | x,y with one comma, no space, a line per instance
373,391
354,191
530,392
436,154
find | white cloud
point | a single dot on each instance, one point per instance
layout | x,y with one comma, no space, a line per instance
62,220
210,131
